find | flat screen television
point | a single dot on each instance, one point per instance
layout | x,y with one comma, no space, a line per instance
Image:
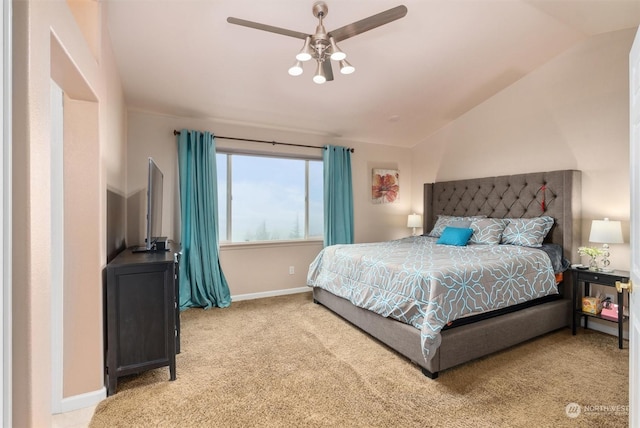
154,210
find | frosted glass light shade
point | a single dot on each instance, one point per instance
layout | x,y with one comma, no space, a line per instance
346,68
336,53
296,69
319,77
306,53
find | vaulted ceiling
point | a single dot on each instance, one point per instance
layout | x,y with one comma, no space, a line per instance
413,76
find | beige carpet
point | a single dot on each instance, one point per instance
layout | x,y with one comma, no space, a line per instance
287,362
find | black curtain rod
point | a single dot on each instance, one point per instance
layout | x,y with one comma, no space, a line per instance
175,132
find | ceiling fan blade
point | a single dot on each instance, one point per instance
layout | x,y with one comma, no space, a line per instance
264,27
328,71
369,23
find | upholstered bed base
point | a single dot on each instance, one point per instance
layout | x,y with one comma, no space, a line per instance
556,194
459,344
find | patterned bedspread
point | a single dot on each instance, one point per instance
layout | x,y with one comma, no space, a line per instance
426,285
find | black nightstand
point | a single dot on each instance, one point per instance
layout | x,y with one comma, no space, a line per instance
609,279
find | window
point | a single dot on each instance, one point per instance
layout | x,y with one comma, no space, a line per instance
265,198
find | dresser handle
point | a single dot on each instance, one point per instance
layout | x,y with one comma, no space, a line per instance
624,286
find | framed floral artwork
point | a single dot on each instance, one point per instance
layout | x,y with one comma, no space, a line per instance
385,186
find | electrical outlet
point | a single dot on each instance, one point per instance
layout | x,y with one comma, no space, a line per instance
292,270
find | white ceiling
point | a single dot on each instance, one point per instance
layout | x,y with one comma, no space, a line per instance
413,76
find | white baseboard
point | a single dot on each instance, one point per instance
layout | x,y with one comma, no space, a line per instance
606,327
274,293
81,401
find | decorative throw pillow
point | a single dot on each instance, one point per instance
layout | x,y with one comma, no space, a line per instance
450,220
487,230
455,236
528,232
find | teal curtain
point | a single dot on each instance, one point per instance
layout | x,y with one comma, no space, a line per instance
202,283
338,196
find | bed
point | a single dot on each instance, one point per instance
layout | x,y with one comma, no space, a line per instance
464,335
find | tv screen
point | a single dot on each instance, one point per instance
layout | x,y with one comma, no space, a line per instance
154,205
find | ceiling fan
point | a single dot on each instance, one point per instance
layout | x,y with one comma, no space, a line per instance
322,45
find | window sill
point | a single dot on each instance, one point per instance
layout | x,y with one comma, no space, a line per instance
269,244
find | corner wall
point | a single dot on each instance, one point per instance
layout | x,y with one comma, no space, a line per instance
571,113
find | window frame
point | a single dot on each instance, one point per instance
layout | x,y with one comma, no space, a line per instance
229,154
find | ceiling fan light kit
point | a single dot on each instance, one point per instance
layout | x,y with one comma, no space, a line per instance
322,45
336,53
306,53
319,77
296,69
346,68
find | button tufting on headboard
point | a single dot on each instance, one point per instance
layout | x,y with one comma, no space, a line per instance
555,193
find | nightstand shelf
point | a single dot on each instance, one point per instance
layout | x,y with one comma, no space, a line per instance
589,314
607,279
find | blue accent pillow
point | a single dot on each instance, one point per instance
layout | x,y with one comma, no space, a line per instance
455,236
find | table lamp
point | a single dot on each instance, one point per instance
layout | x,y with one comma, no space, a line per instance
414,220
606,232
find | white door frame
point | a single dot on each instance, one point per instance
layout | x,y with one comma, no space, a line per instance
5,215
634,176
57,249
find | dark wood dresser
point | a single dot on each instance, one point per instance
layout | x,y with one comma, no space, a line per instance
142,315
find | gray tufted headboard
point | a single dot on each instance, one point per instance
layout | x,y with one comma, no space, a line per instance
555,193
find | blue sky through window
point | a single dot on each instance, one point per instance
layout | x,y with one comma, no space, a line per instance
268,198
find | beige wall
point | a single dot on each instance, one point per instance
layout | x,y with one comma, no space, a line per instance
152,135
52,46
571,113
81,300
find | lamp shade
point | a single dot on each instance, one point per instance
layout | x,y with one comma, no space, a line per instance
606,232
306,53
414,220
346,68
319,77
336,53
296,69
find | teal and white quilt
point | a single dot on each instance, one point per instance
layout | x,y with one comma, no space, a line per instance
418,282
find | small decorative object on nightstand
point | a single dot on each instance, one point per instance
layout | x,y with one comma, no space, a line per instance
414,220
592,253
616,278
